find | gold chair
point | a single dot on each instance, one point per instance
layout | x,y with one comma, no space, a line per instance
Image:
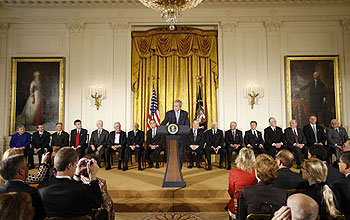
237,196
259,217
338,217
76,218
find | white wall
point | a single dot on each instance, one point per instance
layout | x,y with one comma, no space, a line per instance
253,41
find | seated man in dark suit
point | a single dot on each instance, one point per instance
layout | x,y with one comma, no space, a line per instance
320,153
116,143
214,143
136,139
98,142
296,141
336,137
287,179
233,142
14,170
40,144
154,143
341,188
67,197
78,138
274,138
59,138
194,143
253,139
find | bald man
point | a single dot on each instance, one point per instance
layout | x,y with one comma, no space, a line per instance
299,207
214,140
98,142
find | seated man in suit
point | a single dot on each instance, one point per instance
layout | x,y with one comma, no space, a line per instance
136,139
59,138
21,140
179,117
40,144
296,141
116,143
214,143
274,138
78,138
154,143
314,133
98,142
287,179
194,143
336,137
233,142
14,170
253,139
320,153
67,197
341,188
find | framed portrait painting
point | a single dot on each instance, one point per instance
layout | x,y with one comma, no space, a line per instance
313,87
37,93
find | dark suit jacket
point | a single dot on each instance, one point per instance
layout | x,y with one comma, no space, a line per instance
199,140
334,138
341,190
67,198
41,142
171,118
271,137
211,141
157,140
82,138
290,139
139,139
18,186
103,140
253,196
230,140
310,137
333,175
287,179
251,139
60,140
122,139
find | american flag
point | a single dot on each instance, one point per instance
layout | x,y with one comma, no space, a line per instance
153,111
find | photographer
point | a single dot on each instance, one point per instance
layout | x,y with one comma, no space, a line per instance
67,197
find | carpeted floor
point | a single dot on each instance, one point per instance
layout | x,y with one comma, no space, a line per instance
171,216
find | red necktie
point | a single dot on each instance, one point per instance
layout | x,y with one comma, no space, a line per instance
77,139
296,137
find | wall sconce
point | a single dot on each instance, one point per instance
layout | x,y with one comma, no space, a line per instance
253,92
97,94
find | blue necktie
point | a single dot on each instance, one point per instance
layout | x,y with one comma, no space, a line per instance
338,132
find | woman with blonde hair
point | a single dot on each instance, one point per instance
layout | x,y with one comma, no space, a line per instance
315,172
16,206
242,176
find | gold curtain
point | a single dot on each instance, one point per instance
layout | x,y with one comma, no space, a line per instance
176,59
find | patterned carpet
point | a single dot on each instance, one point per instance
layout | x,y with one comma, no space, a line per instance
171,216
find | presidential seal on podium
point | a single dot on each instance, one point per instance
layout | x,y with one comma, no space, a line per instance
173,129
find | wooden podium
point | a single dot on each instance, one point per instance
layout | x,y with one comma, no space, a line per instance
173,175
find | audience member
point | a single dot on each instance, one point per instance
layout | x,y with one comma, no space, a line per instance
214,143
242,176
296,141
194,143
274,138
78,138
299,207
66,197
341,187
15,171
321,154
255,198
253,139
16,206
233,142
286,178
315,172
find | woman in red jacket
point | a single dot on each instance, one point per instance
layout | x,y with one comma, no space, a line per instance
242,176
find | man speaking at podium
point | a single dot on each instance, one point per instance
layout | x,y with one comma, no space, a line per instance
179,117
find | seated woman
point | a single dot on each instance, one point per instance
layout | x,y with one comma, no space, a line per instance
315,172
263,197
242,176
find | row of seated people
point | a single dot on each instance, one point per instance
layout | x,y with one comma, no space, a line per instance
293,138
262,185
71,190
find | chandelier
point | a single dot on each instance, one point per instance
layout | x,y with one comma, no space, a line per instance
170,9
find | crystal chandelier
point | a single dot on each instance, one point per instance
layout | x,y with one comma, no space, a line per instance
170,9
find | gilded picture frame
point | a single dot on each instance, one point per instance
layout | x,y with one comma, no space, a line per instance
313,87
37,92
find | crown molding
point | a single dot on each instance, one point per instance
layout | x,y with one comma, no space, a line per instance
75,26
121,3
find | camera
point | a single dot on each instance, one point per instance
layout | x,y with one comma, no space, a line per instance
86,162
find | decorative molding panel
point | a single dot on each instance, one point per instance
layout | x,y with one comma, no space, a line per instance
312,40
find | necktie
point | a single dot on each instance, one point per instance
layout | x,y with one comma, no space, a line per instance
40,134
274,130
153,133
214,136
296,137
255,134
177,117
118,132
135,132
338,132
234,135
77,139
315,83
99,133
315,133
195,134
